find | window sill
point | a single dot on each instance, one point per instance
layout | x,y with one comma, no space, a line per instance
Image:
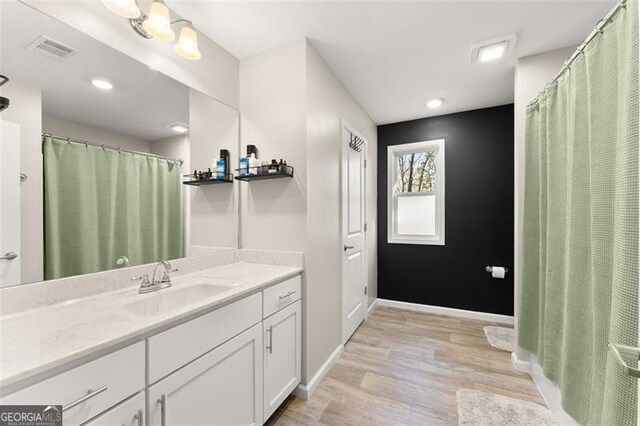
417,241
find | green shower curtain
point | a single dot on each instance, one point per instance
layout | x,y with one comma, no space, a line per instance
580,236
100,204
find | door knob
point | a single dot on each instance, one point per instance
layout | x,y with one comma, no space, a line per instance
621,351
346,247
9,256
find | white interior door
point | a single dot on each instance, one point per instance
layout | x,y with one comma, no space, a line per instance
10,205
354,283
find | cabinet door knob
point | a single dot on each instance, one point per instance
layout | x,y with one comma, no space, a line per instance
163,409
88,396
270,339
284,296
139,417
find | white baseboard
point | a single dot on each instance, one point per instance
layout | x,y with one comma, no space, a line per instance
305,391
439,310
520,365
550,393
372,308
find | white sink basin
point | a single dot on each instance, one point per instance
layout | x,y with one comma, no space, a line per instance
175,299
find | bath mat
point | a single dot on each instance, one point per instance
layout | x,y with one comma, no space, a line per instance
500,338
488,409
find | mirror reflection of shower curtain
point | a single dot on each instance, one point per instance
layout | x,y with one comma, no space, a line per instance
580,230
100,204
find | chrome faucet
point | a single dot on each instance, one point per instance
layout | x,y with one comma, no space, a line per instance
148,286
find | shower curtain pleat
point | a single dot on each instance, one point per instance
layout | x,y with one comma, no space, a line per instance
580,231
100,204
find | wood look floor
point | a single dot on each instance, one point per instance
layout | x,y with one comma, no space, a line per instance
404,368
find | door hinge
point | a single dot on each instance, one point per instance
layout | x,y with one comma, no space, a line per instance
365,290
365,163
365,227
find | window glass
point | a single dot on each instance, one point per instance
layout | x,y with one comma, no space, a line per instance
416,172
417,215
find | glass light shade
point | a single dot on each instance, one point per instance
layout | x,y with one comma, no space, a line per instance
125,8
187,45
158,22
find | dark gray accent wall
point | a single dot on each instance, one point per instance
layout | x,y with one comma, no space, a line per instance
478,215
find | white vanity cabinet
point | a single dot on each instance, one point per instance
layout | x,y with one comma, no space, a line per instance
282,356
223,387
233,365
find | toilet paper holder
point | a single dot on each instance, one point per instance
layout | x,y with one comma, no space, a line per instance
489,269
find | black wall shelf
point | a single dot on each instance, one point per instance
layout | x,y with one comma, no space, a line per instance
286,173
208,181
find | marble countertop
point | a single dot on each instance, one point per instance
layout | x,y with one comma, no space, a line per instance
53,338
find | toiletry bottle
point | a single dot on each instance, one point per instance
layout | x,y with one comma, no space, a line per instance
281,168
244,164
273,167
252,149
220,170
254,165
224,156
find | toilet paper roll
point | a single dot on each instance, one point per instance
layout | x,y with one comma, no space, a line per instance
498,272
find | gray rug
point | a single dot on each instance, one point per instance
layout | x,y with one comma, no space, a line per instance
501,338
488,409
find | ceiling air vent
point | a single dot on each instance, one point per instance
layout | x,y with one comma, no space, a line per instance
51,48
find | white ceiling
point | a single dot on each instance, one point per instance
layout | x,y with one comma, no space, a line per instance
394,56
142,104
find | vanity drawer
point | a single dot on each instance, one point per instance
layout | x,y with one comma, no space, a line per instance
129,413
109,379
281,295
180,345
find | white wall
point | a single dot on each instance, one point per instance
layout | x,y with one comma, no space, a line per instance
532,73
176,146
272,106
26,110
216,74
59,127
328,101
213,208
291,106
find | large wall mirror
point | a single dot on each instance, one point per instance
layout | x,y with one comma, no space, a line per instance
95,147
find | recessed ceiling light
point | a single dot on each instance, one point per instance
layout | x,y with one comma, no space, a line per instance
101,83
435,103
179,128
492,52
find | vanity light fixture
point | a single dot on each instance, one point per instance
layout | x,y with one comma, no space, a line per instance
435,103
125,8
102,84
187,45
179,127
158,24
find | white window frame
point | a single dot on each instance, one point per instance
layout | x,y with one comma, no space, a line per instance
392,193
